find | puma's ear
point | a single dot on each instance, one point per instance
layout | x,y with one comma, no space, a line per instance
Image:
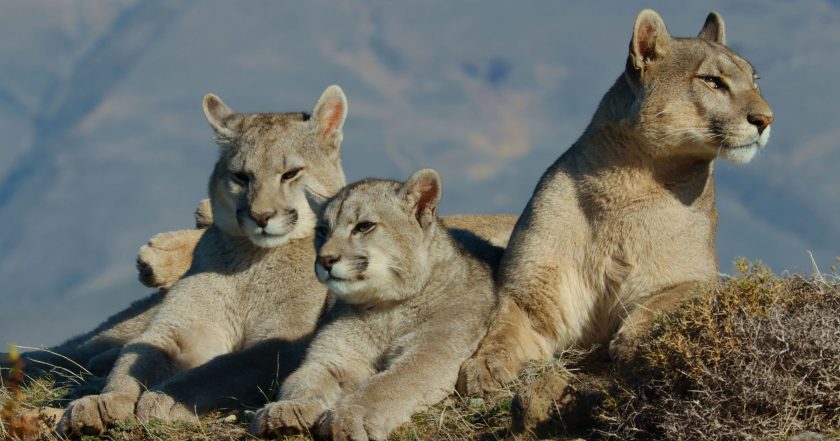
713,29
329,115
316,201
422,193
650,40
220,117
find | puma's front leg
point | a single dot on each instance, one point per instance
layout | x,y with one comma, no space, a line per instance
312,389
624,346
159,353
421,377
139,364
510,343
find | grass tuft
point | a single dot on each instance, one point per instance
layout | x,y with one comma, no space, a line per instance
756,357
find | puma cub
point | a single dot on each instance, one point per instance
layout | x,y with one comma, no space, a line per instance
413,304
623,225
247,307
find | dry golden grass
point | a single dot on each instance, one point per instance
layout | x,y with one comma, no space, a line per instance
757,357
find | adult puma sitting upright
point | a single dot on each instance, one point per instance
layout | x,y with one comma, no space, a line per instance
246,309
623,225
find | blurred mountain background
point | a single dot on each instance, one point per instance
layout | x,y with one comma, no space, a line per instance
105,143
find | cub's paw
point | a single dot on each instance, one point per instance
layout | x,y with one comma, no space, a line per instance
540,401
487,373
154,405
349,423
93,414
285,418
624,348
167,257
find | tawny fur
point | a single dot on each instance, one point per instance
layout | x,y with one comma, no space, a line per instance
413,301
623,224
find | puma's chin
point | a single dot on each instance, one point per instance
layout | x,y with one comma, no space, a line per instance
740,154
265,240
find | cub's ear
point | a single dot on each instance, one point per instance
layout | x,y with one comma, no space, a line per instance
316,201
220,117
650,40
422,193
713,29
329,115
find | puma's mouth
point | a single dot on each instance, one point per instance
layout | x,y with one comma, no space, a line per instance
740,154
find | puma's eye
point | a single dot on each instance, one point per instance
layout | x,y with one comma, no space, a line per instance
714,82
364,227
241,178
291,174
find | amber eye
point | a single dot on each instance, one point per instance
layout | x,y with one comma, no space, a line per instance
714,82
241,178
291,174
364,227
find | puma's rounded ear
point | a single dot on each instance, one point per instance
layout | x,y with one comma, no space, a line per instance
650,40
219,116
316,201
329,114
422,192
713,29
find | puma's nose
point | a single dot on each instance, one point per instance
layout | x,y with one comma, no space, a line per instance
328,261
262,218
760,121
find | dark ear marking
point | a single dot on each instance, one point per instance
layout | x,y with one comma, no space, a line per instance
713,29
650,41
316,201
422,192
329,115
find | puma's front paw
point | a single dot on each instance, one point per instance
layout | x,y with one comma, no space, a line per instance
349,423
487,372
93,414
154,405
285,418
167,257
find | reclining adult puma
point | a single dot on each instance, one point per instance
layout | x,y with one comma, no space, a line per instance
242,316
413,301
622,225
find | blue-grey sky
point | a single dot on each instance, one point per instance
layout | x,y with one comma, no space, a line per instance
104,141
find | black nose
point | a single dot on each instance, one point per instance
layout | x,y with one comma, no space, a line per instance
262,218
328,261
760,121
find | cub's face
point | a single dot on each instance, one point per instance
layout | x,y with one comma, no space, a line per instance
372,239
268,163
695,96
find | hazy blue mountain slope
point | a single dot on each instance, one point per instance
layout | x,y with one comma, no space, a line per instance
105,143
